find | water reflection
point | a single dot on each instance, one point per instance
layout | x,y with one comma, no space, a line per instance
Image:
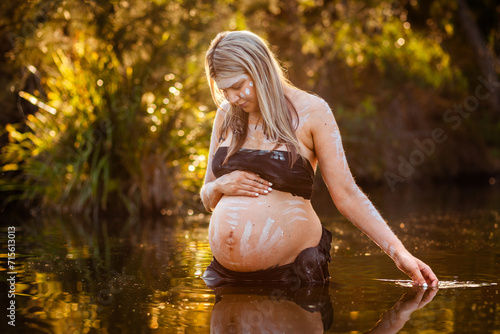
142,276
116,276
304,310
271,310
444,284
393,320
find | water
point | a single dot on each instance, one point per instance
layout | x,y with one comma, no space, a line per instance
143,276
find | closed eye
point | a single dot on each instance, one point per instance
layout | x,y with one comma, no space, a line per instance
235,86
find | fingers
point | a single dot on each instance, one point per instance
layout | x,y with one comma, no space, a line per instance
429,275
241,183
417,277
418,298
254,183
256,178
428,296
422,275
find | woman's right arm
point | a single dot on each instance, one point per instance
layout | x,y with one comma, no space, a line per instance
210,194
237,183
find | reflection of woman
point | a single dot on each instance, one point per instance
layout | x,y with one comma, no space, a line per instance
267,139
254,312
395,318
259,314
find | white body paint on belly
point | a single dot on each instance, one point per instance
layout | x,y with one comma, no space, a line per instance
295,202
239,204
265,230
237,201
264,241
276,235
215,236
294,210
258,228
297,218
245,237
237,208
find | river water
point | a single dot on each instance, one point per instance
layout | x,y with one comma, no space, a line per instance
127,275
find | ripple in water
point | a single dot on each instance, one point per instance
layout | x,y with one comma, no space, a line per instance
443,284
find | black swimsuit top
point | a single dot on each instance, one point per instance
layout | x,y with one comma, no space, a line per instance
273,166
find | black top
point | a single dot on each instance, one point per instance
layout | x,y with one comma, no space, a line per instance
273,166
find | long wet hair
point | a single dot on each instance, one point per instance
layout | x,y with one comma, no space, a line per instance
243,52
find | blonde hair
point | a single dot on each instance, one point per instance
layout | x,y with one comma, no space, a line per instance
243,52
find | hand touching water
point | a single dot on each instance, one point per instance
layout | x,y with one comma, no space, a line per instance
416,269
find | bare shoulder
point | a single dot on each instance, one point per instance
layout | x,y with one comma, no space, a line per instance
310,108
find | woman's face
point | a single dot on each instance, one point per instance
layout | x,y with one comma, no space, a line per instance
239,90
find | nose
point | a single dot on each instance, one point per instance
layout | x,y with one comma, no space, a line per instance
233,97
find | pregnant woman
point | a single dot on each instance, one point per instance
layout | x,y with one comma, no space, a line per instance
267,139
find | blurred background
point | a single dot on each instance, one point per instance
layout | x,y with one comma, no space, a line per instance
105,106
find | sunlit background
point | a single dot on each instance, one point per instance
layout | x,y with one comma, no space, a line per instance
104,132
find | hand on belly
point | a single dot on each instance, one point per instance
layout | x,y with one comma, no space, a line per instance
248,234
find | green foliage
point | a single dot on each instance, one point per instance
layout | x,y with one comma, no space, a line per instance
120,113
124,124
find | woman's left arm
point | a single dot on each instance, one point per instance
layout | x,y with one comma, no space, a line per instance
352,202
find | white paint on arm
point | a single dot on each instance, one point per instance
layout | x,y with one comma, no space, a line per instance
368,219
348,198
339,149
374,214
392,250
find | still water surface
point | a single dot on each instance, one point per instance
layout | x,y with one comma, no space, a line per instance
143,275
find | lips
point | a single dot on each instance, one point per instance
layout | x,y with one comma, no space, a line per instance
243,105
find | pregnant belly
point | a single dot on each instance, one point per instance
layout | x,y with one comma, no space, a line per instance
254,233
